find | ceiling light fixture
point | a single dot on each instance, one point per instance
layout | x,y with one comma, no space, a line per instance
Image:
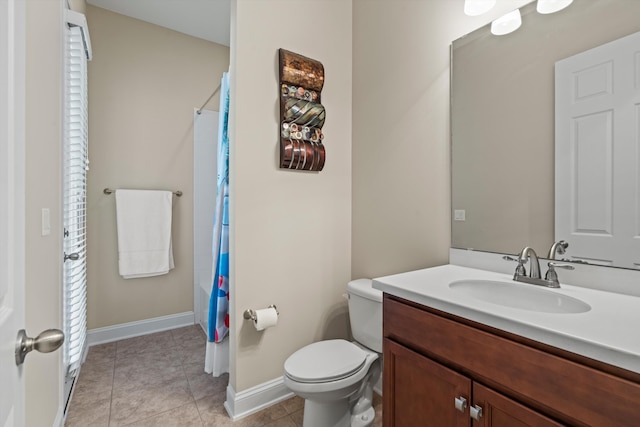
477,7
551,6
507,23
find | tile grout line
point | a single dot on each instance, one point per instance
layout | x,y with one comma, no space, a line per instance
202,422
186,377
113,381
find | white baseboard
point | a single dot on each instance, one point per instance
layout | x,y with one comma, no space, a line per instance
254,399
141,327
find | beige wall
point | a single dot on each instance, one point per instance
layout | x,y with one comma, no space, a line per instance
144,82
399,165
291,239
43,190
401,170
78,5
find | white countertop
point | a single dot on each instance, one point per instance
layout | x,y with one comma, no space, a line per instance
609,332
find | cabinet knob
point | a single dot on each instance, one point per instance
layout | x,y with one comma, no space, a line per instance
475,412
460,403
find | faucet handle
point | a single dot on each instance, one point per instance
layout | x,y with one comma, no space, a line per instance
516,259
553,265
520,270
552,276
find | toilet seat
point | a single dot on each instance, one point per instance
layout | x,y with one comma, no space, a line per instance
325,361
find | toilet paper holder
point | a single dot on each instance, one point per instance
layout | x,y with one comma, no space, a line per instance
250,314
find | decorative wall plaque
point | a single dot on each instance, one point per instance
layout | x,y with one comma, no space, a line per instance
301,113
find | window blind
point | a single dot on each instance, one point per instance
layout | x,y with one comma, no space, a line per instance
76,164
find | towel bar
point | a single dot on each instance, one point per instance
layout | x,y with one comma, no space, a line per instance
178,193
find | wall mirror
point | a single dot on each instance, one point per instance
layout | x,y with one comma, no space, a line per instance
502,122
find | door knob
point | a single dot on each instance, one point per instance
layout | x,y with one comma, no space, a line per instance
48,341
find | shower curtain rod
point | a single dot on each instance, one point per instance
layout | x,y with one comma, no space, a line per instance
199,110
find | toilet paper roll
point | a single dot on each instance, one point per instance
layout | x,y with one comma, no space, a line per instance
265,318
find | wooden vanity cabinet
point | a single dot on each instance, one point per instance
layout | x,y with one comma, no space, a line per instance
425,392
422,390
433,358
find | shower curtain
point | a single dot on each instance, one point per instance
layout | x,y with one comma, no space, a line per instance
219,302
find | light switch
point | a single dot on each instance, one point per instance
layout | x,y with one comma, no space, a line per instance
459,215
46,221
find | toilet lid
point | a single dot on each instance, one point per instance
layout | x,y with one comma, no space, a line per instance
325,361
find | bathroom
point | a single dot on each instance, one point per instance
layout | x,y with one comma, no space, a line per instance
381,206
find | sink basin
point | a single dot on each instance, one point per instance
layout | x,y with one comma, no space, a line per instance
516,295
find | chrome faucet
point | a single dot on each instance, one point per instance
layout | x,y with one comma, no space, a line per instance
559,248
534,271
551,278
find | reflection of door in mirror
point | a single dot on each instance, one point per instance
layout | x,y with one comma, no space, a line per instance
597,136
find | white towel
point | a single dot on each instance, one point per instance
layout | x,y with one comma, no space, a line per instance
144,232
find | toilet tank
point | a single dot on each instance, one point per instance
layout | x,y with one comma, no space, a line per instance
365,313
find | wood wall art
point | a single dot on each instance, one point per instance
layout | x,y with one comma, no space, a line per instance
301,113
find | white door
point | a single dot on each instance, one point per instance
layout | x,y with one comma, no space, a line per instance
597,153
12,29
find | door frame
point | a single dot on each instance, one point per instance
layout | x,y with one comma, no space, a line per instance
14,81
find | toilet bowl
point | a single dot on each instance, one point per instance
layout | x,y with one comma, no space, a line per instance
336,377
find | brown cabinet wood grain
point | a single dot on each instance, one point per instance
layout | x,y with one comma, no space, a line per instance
419,391
517,380
500,411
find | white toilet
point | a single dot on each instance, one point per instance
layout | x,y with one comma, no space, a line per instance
336,377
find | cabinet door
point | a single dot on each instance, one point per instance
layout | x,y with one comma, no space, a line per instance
421,392
500,411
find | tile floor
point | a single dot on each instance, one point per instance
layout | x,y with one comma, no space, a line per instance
158,380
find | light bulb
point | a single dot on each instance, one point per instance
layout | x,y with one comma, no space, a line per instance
477,7
507,23
551,6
